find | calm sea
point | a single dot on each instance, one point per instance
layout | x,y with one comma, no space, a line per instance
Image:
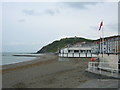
8,58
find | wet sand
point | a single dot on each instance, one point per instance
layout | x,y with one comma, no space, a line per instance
47,72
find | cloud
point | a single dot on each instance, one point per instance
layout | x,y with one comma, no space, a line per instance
50,12
21,43
112,26
79,5
55,10
14,43
29,12
39,13
22,20
94,27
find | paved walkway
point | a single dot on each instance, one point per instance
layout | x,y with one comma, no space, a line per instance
100,83
105,80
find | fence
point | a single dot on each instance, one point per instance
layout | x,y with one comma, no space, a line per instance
95,66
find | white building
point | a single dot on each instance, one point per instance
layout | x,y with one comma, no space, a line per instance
76,52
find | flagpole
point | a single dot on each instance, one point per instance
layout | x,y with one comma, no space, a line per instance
102,44
102,41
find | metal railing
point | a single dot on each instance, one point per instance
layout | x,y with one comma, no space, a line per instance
96,66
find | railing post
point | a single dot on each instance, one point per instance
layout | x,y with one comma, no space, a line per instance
90,65
94,66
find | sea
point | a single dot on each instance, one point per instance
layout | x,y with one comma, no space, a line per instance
9,58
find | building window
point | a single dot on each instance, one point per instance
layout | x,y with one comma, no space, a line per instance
76,51
89,51
69,51
81,51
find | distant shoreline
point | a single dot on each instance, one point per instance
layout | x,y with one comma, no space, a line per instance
28,55
38,58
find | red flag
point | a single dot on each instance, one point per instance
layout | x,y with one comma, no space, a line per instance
101,24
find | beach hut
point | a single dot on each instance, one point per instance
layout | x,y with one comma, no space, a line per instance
76,52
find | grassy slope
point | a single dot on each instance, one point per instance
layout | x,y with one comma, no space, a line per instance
58,44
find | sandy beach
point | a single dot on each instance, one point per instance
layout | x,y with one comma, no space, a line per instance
48,72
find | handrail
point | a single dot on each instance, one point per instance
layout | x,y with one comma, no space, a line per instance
92,65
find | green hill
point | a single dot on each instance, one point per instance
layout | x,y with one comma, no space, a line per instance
58,44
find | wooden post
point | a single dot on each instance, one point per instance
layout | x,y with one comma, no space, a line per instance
63,53
67,54
73,54
86,54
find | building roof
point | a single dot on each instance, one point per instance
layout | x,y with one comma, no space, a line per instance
78,48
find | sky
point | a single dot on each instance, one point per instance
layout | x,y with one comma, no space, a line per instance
28,26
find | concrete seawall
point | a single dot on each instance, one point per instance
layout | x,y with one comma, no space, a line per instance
108,61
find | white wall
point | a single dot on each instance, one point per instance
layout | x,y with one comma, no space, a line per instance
112,61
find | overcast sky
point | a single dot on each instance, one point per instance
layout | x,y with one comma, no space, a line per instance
29,26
